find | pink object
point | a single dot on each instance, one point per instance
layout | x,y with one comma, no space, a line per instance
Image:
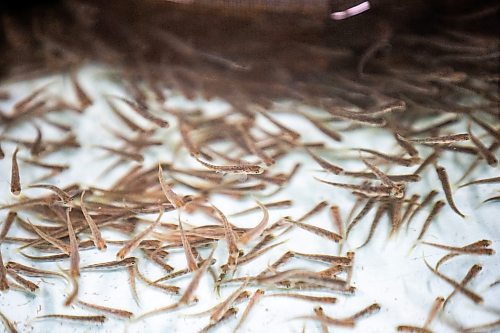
358,9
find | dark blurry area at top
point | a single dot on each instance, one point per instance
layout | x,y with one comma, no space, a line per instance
53,34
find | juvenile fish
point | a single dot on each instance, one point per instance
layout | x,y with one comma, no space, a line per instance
445,139
116,312
258,229
443,178
15,181
471,295
94,319
111,265
250,169
251,303
316,230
